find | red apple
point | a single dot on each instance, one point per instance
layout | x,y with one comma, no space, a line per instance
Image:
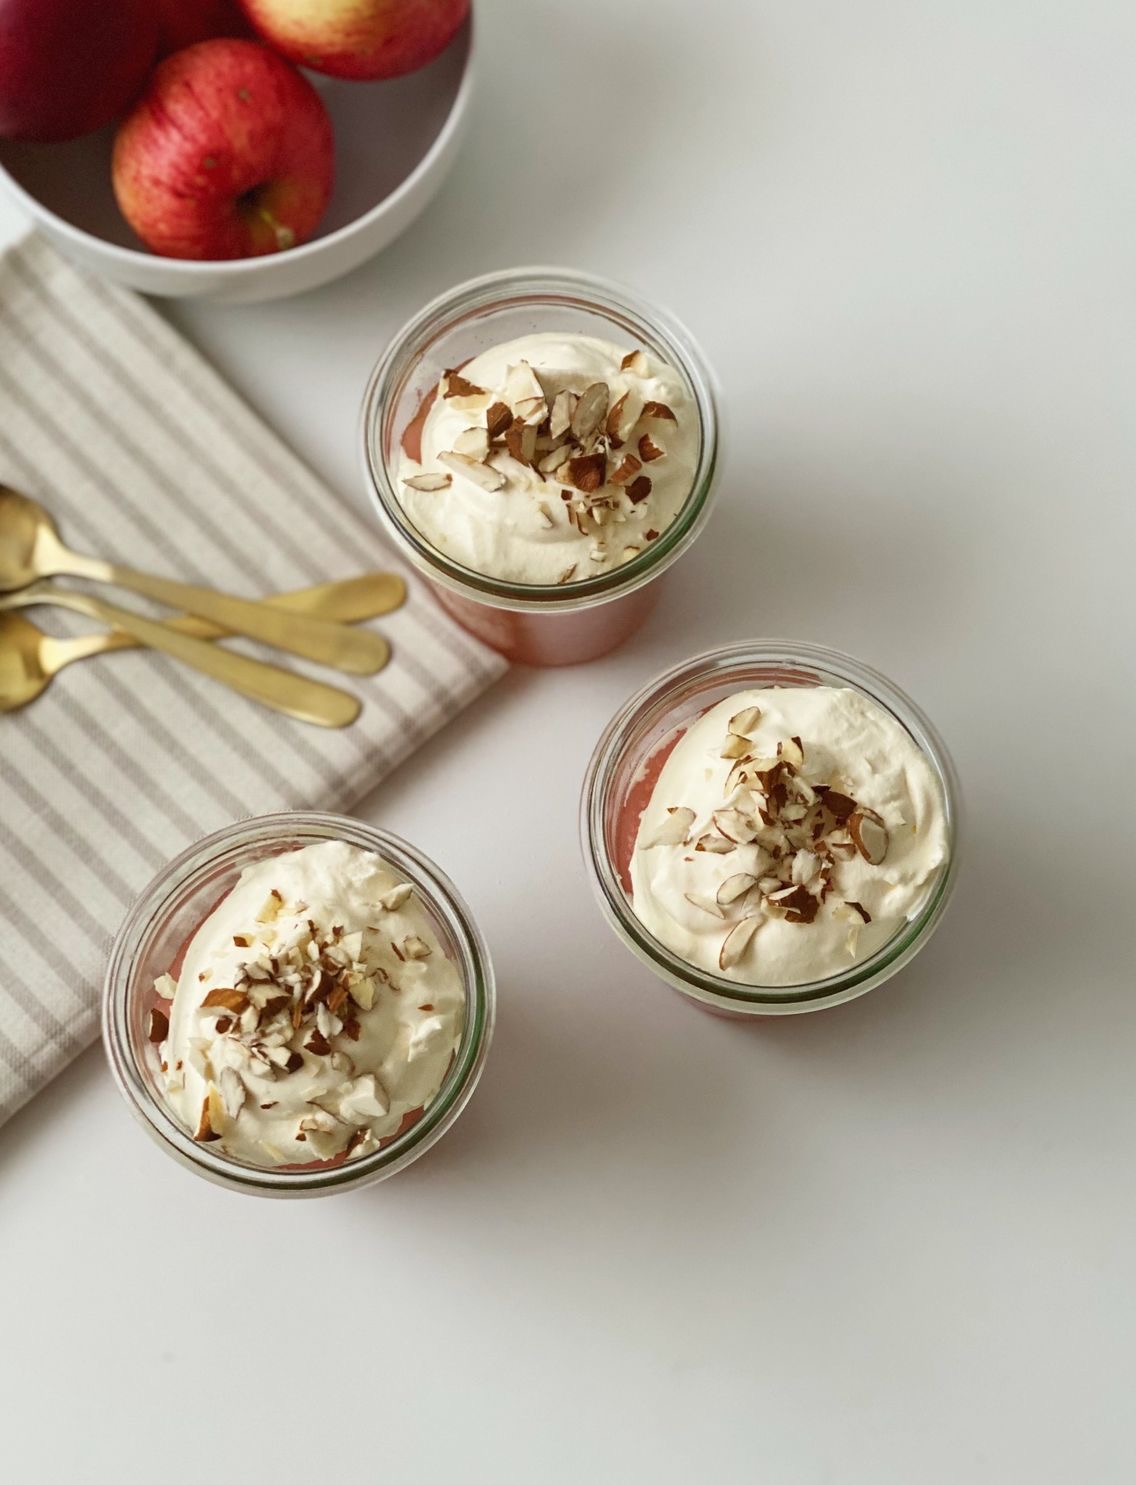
67,67
227,154
186,22
358,38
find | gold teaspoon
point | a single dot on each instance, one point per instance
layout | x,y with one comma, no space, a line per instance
349,601
30,548
282,690
30,659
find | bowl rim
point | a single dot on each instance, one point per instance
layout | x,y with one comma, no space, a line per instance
243,267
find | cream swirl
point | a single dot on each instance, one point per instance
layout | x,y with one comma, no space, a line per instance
532,519
315,1008
790,833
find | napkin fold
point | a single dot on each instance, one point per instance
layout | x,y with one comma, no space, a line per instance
142,452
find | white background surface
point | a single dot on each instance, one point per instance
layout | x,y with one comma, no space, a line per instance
885,1244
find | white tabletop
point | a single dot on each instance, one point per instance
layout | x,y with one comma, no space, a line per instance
885,1244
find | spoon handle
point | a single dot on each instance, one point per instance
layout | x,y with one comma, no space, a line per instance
282,690
322,640
348,601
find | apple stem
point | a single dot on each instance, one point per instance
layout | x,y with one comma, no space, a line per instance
285,237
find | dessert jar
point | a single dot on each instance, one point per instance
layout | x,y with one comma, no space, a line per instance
629,756
536,624
182,897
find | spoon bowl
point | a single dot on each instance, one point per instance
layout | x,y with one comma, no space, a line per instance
24,526
23,676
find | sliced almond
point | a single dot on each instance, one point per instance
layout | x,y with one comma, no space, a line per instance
627,468
532,411
554,460
659,410
232,1092
649,450
226,999
497,419
520,440
545,515
717,845
792,751
456,385
479,474
744,723
671,831
639,489
737,941
414,947
734,887
522,385
157,1025
362,992
635,362
735,746
428,481
271,908
587,471
614,423
473,442
735,826
209,1121
560,418
858,907
567,574
869,835
838,804
396,896
590,411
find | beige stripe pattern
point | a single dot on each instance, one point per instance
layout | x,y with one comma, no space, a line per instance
140,450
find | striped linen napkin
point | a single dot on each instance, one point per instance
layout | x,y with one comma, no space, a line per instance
142,452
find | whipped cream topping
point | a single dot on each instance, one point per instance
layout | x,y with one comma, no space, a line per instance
523,477
790,833
315,1008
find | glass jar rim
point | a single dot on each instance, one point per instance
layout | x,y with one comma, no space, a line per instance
495,291
289,826
828,666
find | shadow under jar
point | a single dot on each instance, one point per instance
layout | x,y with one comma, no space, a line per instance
559,623
154,940
620,782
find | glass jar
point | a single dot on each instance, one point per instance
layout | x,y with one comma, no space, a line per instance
532,623
174,905
651,721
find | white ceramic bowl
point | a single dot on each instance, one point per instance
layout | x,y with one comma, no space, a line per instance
394,145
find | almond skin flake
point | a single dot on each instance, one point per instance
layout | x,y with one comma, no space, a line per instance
659,410
458,386
498,419
587,472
